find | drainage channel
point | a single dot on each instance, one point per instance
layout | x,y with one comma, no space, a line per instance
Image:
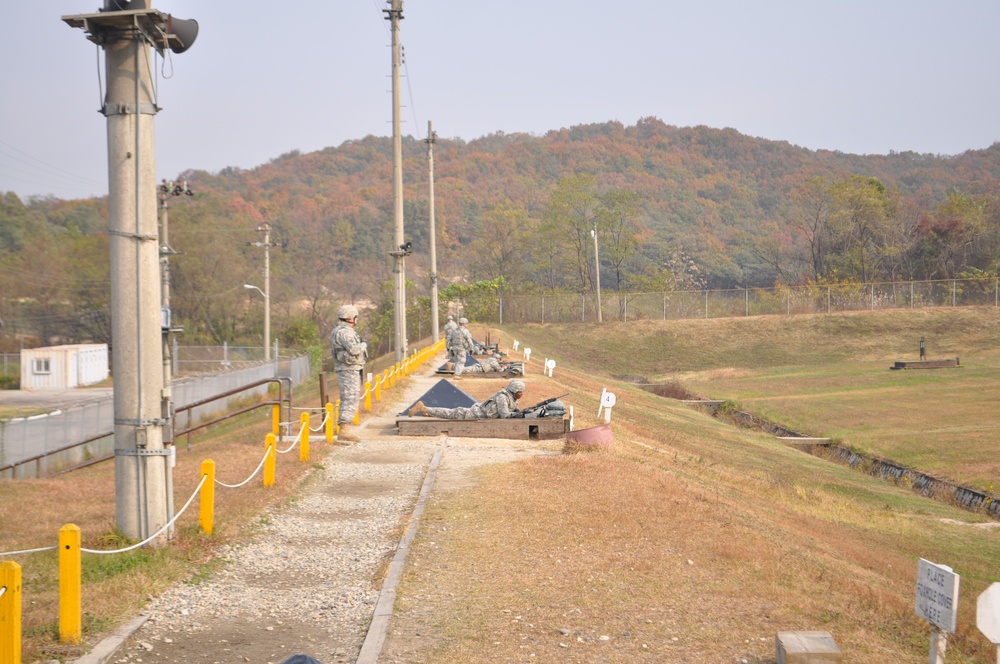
885,469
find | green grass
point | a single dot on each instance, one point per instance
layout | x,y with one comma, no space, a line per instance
826,376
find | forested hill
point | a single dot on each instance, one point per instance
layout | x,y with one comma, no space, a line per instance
719,196
689,207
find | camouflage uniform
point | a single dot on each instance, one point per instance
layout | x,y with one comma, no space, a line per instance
489,365
349,355
459,344
499,406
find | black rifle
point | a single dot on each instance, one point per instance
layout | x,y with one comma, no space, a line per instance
541,404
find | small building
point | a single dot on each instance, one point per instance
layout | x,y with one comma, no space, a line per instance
64,367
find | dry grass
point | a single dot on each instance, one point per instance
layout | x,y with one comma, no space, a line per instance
115,587
688,541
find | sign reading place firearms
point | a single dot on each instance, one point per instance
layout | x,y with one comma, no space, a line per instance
937,595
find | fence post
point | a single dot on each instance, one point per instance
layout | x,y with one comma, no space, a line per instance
706,303
10,612
270,445
206,513
329,422
953,292
746,300
70,605
304,437
543,309
583,308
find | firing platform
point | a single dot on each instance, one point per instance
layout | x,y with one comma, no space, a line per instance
926,364
528,428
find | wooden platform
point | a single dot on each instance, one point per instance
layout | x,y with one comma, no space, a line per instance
529,428
926,364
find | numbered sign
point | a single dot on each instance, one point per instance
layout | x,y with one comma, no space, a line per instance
608,401
988,613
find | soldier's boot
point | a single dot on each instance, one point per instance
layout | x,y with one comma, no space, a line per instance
418,409
348,433
449,366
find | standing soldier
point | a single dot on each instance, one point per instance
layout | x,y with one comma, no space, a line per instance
349,353
449,327
460,343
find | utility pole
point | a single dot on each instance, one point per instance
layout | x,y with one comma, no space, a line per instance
126,31
163,192
597,270
265,228
431,138
394,15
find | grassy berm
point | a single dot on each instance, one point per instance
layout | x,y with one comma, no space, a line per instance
692,540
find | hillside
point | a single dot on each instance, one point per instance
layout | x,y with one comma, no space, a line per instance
691,207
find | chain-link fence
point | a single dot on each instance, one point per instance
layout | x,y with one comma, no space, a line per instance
66,438
811,299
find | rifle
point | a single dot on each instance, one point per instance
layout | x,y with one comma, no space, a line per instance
531,409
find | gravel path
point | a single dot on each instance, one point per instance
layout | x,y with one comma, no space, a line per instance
306,584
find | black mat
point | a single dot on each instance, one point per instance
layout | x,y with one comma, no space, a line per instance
443,395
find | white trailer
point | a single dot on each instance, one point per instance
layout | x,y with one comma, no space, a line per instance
64,367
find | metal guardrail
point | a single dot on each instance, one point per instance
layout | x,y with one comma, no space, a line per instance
39,459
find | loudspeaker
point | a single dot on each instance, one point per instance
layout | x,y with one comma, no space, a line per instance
125,5
184,29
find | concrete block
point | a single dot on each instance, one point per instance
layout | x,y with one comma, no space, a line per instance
806,648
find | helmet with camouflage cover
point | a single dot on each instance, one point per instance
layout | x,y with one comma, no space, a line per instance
347,312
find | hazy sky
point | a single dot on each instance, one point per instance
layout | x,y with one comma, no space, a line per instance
264,78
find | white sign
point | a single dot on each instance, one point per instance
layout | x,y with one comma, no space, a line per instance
527,354
937,595
550,366
988,613
516,344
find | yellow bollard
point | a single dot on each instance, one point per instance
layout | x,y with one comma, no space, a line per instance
336,417
276,419
304,437
378,388
368,395
357,417
70,604
206,514
329,422
385,380
10,612
270,453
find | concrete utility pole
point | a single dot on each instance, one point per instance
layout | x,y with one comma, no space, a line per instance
394,15
597,270
126,30
265,228
431,138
